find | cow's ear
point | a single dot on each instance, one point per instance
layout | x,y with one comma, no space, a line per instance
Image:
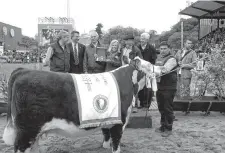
132,63
137,62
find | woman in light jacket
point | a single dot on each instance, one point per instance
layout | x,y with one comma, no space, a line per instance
113,56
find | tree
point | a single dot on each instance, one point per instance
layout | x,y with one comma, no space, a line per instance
99,29
119,32
28,42
173,36
152,33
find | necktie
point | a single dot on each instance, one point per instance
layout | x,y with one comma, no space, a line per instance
76,56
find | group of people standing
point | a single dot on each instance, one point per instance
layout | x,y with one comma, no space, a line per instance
69,56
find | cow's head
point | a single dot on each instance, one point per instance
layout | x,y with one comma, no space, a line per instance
144,66
142,69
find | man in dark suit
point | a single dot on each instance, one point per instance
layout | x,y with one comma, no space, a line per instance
149,54
77,54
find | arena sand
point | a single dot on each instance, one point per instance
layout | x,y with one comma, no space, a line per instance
194,133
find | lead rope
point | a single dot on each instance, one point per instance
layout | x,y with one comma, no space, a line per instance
180,67
146,113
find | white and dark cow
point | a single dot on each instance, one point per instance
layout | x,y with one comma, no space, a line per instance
42,102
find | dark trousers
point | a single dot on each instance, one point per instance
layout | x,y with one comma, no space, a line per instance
76,69
95,71
145,96
165,106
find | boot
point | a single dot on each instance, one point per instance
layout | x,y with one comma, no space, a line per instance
160,129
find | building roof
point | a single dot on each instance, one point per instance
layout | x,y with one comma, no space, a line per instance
2,23
205,10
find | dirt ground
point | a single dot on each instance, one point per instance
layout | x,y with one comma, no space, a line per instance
194,133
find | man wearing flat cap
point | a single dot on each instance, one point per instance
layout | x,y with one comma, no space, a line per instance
58,54
130,51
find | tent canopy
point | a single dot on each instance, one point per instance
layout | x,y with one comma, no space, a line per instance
206,10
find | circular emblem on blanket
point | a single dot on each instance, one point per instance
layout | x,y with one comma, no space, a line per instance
100,103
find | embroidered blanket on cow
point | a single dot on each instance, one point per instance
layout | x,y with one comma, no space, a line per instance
98,99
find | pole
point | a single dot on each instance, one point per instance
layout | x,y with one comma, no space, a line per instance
68,9
182,34
39,50
199,27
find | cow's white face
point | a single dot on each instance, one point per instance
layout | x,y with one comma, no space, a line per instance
145,66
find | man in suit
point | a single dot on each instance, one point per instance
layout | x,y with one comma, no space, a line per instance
149,54
77,54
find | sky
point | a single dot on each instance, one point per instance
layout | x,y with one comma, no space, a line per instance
157,15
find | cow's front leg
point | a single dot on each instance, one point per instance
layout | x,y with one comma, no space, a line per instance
23,142
106,134
116,134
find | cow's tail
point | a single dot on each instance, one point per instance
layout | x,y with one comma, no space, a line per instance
9,134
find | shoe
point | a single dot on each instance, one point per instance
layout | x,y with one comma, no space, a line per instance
167,133
160,129
175,119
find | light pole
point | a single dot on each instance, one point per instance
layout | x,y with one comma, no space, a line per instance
182,32
68,9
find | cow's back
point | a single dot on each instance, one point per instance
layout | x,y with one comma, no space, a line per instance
50,93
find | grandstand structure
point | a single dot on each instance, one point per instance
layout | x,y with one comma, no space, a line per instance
210,14
211,17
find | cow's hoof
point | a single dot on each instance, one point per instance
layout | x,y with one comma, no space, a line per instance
117,151
106,144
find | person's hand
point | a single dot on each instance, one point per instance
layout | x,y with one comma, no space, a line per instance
179,63
95,56
125,59
116,57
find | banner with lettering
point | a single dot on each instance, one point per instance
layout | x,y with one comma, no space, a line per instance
98,99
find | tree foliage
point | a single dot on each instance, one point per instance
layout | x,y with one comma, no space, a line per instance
98,29
212,78
173,36
120,32
28,42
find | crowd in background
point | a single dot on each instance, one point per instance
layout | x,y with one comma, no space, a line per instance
215,41
21,57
